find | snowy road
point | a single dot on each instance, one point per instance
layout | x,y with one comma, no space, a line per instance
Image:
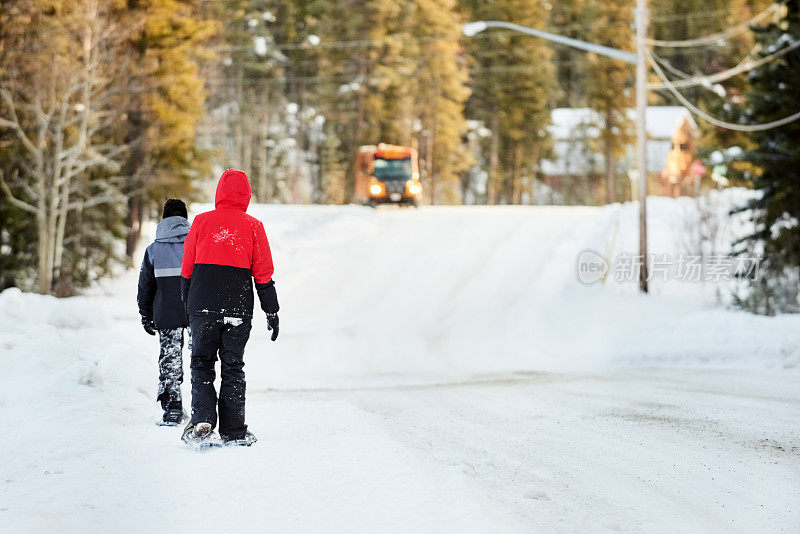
437,371
647,451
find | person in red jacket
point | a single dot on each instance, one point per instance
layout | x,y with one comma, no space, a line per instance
225,250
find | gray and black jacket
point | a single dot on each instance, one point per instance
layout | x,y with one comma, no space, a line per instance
159,294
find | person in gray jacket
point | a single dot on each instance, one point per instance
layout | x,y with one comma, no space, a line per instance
161,308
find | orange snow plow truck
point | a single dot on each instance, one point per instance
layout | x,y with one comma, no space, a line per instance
387,174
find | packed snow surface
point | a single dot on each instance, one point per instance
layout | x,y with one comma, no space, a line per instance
438,370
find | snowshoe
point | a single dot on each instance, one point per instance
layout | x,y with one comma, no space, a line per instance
199,436
172,417
248,439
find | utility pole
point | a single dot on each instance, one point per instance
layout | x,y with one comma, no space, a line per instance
641,134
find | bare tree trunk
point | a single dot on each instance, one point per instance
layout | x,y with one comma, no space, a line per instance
45,272
494,160
350,177
41,219
316,178
247,148
45,261
536,151
134,170
263,174
429,143
63,173
237,131
262,169
611,170
51,233
53,193
611,174
516,192
135,219
61,226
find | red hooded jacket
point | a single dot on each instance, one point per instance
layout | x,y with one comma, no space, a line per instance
224,250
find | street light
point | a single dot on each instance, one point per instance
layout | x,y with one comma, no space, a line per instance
471,29
639,59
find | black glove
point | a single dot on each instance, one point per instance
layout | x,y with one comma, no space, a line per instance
268,297
272,324
149,325
185,285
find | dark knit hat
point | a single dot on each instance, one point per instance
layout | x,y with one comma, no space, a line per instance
173,207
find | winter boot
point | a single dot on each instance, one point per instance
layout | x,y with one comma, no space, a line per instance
173,415
248,439
196,433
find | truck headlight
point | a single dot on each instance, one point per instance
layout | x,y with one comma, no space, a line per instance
376,189
413,188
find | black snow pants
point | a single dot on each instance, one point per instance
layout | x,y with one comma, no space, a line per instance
170,367
226,337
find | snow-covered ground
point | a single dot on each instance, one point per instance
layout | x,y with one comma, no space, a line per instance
438,370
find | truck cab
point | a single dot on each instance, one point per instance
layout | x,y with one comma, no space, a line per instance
387,174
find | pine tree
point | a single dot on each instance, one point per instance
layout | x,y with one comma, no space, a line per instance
367,89
165,110
686,19
269,86
439,82
610,83
17,235
776,154
571,19
65,82
512,84
333,168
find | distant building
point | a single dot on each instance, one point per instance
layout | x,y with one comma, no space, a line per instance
678,174
576,153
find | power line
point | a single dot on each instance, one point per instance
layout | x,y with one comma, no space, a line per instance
696,15
744,66
390,38
724,35
710,118
681,74
656,19
359,43
350,77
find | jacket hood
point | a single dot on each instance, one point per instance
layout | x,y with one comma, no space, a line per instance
172,230
233,190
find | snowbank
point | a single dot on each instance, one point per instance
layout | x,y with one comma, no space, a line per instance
689,323
407,296
452,291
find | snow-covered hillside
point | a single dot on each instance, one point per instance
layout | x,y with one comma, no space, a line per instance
438,370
